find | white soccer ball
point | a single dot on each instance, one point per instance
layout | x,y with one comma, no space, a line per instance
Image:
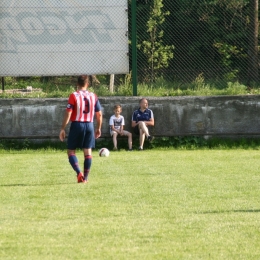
103,152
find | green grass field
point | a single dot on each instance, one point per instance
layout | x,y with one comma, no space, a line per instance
155,204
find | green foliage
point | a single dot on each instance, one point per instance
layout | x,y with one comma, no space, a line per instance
236,88
157,53
209,37
15,145
26,144
173,142
228,53
198,87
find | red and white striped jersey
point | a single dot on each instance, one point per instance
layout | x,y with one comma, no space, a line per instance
83,105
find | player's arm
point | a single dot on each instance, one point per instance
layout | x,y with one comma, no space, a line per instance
134,121
111,123
121,129
65,121
114,129
150,122
99,118
122,126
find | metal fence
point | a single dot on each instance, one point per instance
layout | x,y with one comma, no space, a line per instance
53,38
180,41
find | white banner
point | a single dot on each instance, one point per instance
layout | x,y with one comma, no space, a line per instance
41,37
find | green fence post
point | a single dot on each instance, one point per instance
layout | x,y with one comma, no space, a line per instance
3,84
134,48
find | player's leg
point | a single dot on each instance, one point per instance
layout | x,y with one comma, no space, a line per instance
88,144
129,135
114,135
141,139
73,160
139,132
87,162
72,144
144,128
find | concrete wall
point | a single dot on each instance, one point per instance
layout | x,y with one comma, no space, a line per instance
174,116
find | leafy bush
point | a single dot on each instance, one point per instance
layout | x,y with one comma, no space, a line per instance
62,87
174,142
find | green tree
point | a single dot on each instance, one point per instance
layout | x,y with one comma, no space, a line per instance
157,53
228,22
210,37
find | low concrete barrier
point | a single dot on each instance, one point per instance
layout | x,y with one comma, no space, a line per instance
174,116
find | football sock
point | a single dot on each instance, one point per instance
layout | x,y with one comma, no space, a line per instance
87,165
74,162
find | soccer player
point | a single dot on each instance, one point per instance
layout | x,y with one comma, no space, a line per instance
81,109
142,118
116,123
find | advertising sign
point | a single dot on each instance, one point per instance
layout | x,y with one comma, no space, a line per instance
52,37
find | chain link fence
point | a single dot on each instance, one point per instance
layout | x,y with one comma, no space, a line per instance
181,41
178,42
55,38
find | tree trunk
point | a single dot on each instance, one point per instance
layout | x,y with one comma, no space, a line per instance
253,42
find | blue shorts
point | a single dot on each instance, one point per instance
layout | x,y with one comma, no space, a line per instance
81,136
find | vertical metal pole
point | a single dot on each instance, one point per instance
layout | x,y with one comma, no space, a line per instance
253,74
3,84
134,48
112,82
